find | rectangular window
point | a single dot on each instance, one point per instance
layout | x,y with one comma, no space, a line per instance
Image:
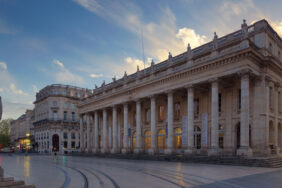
147,115
177,111
279,102
72,106
54,103
65,115
73,135
65,144
239,99
196,107
55,115
65,105
270,97
161,113
65,135
73,145
73,116
219,102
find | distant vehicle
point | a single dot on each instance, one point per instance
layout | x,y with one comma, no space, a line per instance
6,150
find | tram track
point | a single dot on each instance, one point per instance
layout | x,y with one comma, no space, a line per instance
83,175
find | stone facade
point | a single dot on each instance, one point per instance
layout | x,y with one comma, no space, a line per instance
222,98
22,131
56,126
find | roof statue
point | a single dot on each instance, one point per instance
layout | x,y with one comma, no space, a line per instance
215,45
244,27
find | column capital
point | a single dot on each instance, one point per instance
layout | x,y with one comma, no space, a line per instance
152,96
213,80
188,86
169,92
244,73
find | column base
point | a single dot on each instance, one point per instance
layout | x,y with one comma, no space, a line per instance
115,150
213,151
95,150
190,151
89,150
168,151
276,150
104,150
152,151
138,151
125,151
245,151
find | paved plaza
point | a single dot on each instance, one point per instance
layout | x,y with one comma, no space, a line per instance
76,172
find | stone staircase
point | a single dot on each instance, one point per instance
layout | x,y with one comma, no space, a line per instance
11,183
269,162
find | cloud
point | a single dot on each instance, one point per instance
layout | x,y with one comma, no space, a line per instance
190,36
6,29
277,27
65,76
16,91
3,65
59,63
95,75
160,37
14,109
35,88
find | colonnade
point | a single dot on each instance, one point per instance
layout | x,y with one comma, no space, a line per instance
190,148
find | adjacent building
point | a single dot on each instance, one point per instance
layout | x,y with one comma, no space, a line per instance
221,98
56,118
22,137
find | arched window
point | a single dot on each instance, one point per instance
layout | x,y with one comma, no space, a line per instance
220,136
161,139
147,140
134,140
178,138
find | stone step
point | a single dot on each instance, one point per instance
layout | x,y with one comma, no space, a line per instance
11,183
23,186
6,179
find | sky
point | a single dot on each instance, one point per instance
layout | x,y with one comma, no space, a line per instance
84,42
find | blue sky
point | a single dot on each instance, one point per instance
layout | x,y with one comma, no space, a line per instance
83,42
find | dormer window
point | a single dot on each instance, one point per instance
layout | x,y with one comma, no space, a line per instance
270,47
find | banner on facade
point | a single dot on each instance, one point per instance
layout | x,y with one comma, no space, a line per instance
205,129
110,137
119,136
184,131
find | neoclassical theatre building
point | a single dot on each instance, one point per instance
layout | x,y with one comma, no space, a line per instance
222,98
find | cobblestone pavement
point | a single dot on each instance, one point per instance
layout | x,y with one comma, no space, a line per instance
75,172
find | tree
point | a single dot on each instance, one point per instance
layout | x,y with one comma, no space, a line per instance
5,127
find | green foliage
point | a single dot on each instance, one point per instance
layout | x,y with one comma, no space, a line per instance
5,128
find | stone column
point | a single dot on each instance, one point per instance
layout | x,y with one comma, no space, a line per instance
114,149
125,128
61,142
245,115
88,133
105,127
190,124
81,134
138,128
153,126
276,106
76,139
96,133
69,142
214,119
169,148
